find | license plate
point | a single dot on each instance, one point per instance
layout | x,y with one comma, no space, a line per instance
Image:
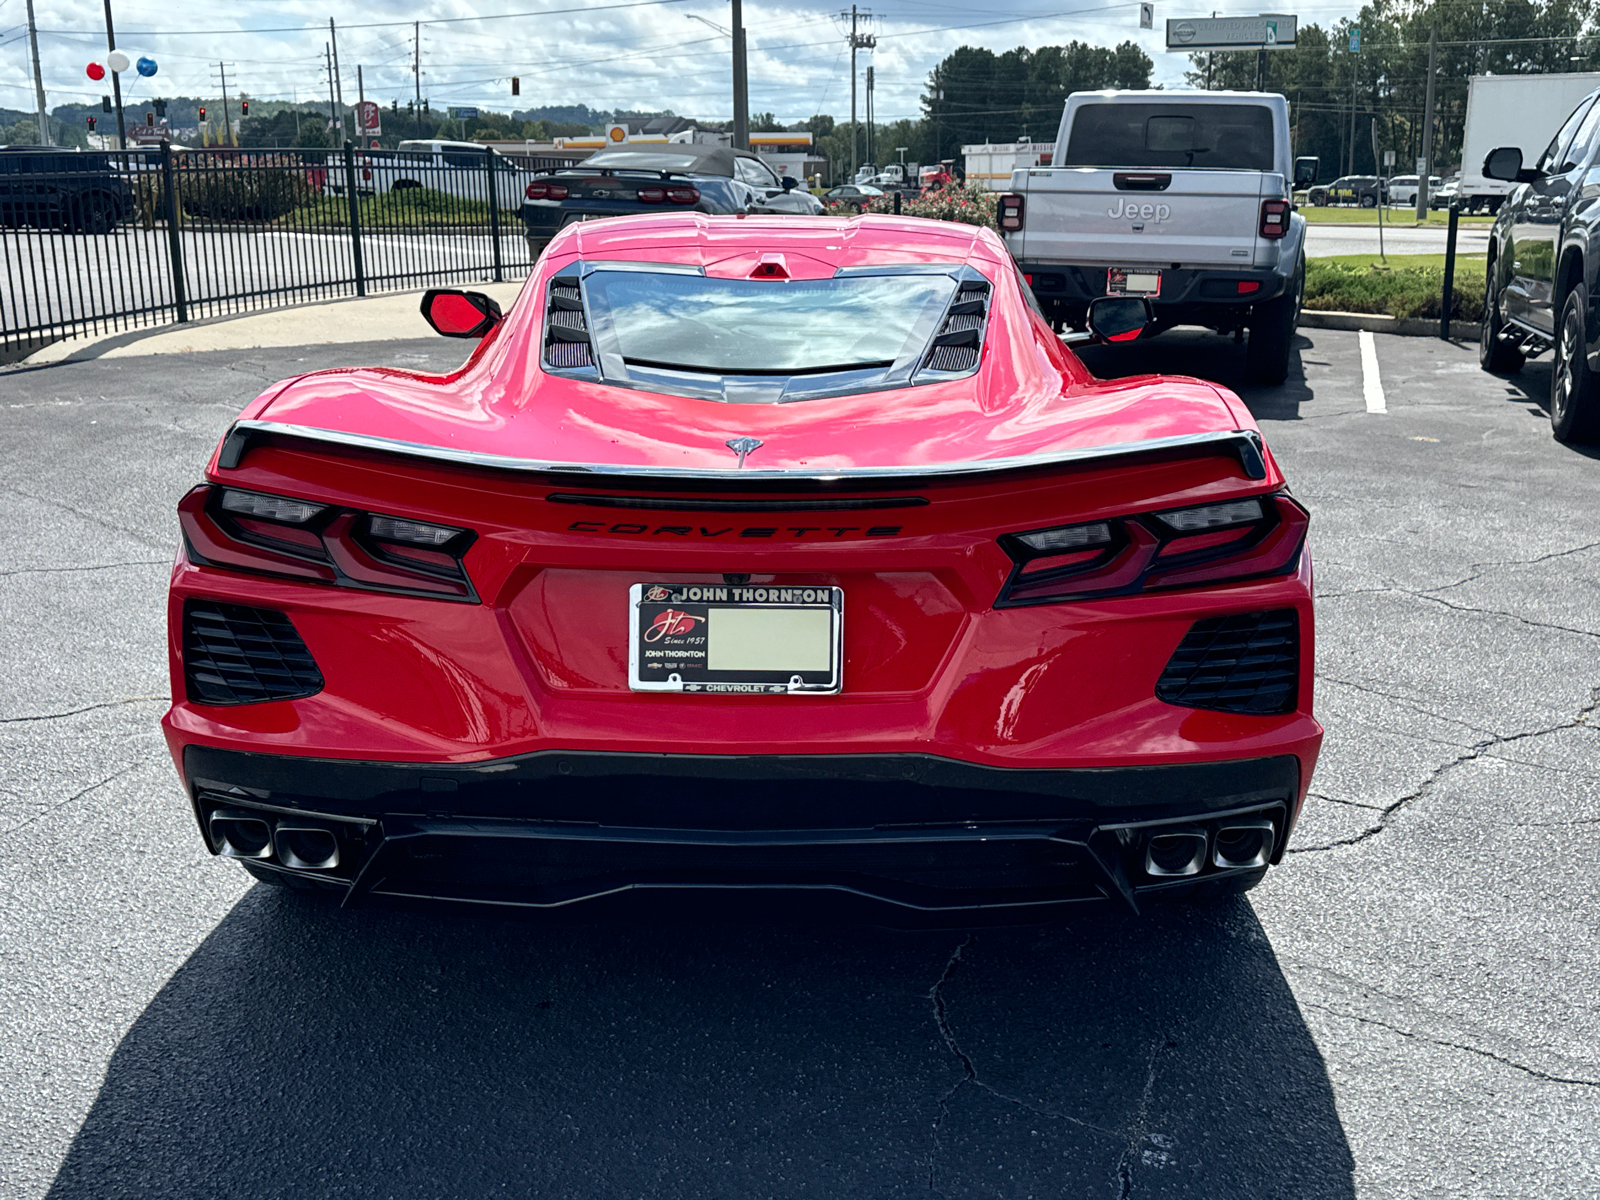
1121,281
720,638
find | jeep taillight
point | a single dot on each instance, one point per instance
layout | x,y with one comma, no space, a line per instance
1251,538
1010,210
1274,218
322,543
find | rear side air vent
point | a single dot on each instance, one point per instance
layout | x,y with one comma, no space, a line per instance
566,330
238,655
959,341
1248,663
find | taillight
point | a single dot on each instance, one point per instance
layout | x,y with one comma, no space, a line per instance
683,195
1225,542
1274,218
299,539
652,195
545,191
1010,210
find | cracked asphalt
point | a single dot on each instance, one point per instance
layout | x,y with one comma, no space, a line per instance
1408,1007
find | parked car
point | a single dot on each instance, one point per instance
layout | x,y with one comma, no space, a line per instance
76,191
1183,198
1448,193
628,180
459,169
1542,277
1403,188
852,195
556,627
1364,191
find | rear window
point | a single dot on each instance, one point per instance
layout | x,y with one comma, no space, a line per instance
767,327
1227,137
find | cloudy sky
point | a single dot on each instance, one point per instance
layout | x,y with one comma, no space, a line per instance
646,55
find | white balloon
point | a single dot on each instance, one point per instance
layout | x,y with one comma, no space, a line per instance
118,61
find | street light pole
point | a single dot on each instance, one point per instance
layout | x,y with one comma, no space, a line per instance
741,82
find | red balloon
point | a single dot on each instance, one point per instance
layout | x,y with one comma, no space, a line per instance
95,71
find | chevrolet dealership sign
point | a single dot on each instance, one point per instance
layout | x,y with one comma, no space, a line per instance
1270,31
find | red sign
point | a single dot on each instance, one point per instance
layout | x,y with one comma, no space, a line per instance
369,117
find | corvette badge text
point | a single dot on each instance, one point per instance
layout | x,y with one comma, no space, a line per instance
1140,212
755,531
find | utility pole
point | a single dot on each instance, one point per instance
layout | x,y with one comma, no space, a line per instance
416,69
1425,167
327,58
1355,72
227,121
116,82
361,88
858,41
38,80
870,158
338,84
741,82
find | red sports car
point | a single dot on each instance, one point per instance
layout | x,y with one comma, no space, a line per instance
747,553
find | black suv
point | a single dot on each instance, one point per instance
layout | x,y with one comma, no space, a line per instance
1544,253
71,190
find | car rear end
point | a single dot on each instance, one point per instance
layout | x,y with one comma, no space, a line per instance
938,693
1185,200
619,183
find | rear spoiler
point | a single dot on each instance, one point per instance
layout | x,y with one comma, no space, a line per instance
1243,443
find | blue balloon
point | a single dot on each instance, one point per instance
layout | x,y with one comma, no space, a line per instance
146,67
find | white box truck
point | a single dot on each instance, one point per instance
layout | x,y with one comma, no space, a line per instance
992,163
1513,110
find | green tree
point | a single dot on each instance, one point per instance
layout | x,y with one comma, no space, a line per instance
765,123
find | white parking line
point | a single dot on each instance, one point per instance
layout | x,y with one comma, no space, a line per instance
1371,384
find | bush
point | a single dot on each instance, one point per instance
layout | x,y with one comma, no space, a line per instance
1415,291
969,204
240,192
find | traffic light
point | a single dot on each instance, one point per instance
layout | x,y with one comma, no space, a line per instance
424,106
516,86
149,118
160,106
105,103
202,112
90,121
394,106
244,107
411,107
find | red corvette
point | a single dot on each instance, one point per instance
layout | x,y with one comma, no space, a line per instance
748,553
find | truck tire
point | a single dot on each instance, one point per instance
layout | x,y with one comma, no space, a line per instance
1495,354
1272,327
1574,396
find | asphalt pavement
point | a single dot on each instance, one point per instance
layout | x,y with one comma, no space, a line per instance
1408,1007
1326,240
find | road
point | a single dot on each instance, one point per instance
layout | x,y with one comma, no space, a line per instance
1408,1007
1325,240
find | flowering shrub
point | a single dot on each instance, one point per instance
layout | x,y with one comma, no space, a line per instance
970,204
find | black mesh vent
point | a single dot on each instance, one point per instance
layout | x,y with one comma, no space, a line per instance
238,655
959,342
566,333
1248,663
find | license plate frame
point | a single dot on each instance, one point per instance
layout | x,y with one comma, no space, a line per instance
1133,281
677,632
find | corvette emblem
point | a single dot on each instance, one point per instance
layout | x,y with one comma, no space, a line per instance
742,446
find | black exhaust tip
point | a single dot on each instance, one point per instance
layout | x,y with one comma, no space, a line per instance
1245,843
1175,852
240,835
307,847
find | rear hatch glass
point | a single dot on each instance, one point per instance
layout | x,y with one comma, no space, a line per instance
1226,137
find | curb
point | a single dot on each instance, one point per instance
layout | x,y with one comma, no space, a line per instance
1460,331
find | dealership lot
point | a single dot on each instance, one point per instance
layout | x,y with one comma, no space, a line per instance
1406,1008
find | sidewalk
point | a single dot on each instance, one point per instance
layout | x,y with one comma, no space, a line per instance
390,317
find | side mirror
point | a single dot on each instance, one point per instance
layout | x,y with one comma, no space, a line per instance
1305,170
1119,318
459,314
789,183
1504,164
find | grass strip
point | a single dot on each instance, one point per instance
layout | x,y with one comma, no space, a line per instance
1398,218
1409,285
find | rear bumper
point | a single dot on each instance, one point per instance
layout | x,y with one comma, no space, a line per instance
547,220
913,838
1070,286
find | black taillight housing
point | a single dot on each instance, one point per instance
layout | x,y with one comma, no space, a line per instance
1274,218
1227,541
1009,210
324,543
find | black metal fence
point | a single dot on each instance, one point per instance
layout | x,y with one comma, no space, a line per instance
100,242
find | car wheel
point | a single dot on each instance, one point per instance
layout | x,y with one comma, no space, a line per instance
1574,405
1369,202
1272,326
94,215
1494,352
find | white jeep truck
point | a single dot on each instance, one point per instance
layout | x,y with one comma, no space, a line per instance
1185,198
